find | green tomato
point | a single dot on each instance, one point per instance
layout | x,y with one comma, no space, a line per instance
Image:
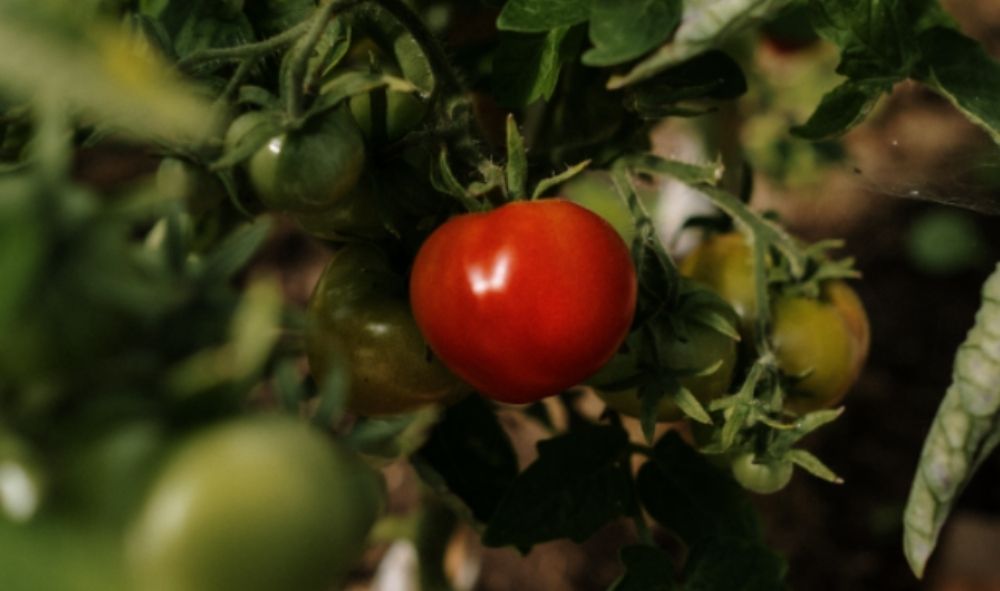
359,315
356,217
595,192
307,169
820,344
725,264
403,111
764,478
256,504
700,348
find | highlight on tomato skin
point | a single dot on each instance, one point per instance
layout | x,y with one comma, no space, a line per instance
526,300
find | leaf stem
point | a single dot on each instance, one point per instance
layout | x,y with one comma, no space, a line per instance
447,80
239,52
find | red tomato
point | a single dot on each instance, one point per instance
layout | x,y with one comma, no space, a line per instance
526,300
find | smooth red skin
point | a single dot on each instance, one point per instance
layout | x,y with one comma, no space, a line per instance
558,313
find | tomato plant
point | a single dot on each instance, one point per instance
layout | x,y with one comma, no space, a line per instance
262,503
359,311
450,163
552,309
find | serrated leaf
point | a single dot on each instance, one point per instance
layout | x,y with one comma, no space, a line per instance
622,30
579,482
533,16
646,569
517,161
843,107
733,564
526,66
686,494
704,25
959,69
470,454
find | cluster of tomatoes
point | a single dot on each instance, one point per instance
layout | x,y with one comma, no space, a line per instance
517,303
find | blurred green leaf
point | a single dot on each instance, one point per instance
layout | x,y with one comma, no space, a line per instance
622,30
104,74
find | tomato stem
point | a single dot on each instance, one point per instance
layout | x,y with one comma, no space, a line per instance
296,72
239,52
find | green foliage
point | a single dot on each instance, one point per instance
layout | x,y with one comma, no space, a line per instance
884,43
579,482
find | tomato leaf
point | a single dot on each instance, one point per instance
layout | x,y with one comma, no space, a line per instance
686,494
843,107
235,251
958,69
469,455
526,66
622,30
726,563
534,16
646,569
579,482
704,25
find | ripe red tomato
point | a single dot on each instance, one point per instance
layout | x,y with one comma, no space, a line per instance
526,300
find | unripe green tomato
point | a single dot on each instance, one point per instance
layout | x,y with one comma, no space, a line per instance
725,264
355,217
359,315
702,348
820,344
307,169
256,504
763,478
595,192
403,112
